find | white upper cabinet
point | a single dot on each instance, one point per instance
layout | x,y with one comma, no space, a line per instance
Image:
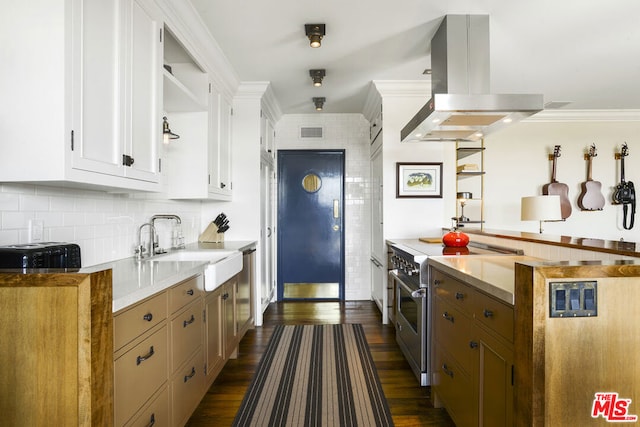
223,165
198,164
82,94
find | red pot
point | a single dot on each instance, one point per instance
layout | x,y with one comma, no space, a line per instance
455,239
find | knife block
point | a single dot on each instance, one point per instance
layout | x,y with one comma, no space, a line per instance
211,235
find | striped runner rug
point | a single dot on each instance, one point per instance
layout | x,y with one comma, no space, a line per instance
315,375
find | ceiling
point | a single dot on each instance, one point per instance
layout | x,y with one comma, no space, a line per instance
583,52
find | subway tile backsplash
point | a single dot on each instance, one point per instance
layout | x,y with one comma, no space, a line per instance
103,224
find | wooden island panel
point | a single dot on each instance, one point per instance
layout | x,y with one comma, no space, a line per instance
56,346
561,363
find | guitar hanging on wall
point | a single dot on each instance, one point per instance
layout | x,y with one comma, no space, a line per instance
625,193
558,188
591,198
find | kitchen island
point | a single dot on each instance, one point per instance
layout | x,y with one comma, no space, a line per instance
520,341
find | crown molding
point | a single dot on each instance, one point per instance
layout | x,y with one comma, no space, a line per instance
584,116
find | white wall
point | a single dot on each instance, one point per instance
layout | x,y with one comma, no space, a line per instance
104,225
412,217
351,133
517,165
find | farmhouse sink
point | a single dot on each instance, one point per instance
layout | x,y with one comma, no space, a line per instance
222,265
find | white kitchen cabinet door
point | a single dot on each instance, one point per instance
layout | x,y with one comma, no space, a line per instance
98,94
224,162
220,147
377,237
68,109
116,109
144,123
214,139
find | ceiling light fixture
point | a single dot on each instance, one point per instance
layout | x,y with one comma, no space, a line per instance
167,135
319,103
317,76
315,32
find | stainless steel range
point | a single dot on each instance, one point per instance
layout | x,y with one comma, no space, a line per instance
409,277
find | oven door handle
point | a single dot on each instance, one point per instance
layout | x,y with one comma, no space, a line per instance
419,293
415,293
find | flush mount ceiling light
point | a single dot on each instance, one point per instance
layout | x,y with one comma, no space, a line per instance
314,32
167,135
317,76
319,103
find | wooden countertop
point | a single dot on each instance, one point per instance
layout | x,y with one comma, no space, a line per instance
607,246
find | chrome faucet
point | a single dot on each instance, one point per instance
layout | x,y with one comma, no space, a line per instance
177,243
140,249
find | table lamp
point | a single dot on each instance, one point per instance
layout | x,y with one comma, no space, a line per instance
540,208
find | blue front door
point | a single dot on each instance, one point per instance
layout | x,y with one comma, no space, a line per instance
311,224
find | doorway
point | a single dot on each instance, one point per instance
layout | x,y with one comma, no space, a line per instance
310,225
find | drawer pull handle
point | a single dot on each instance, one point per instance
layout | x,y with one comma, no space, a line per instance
191,375
446,370
152,420
188,322
190,292
148,317
459,295
473,344
141,359
487,313
448,317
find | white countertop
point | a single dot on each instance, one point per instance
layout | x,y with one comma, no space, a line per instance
135,280
492,274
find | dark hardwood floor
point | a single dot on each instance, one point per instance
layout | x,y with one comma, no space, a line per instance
409,403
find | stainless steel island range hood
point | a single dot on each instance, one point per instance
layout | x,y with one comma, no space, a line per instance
461,105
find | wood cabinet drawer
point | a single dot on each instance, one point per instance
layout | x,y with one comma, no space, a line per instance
186,334
129,324
455,389
154,414
454,333
453,290
494,314
185,292
139,373
187,386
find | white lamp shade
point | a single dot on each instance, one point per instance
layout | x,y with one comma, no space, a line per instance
540,208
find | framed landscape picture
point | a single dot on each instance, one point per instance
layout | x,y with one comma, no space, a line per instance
419,180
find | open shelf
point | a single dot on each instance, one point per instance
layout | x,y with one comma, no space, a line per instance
463,152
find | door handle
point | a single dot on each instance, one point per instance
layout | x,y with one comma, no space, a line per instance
336,209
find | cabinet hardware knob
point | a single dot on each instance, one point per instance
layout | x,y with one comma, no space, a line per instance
141,359
148,317
473,344
191,375
459,295
487,313
446,370
436,282
188,322
448,317
190,292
